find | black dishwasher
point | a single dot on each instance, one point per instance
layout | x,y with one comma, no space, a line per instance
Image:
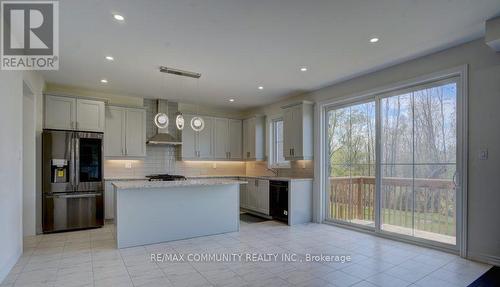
278,200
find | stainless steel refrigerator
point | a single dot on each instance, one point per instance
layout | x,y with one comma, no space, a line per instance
72,180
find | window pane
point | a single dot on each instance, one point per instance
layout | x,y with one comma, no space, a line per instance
435,202
351,184
338,135
435,121
397,199
397,129
362,135
419,162
278,156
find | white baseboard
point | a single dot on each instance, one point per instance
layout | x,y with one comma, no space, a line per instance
493,260
4,271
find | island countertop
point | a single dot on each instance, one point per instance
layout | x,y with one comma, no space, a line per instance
144,184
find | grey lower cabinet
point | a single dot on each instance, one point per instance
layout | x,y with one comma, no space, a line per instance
109,200
254,196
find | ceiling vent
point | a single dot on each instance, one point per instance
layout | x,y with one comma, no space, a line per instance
492,36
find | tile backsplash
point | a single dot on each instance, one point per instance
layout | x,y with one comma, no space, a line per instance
161,159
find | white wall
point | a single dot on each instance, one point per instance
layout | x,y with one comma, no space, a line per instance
36,84
11,170
29,163
484,122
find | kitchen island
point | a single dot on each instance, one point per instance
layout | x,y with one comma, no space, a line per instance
151,212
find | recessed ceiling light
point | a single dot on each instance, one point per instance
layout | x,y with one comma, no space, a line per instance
118,17
374,40
110,58
104,81
231,100
303,69
261,88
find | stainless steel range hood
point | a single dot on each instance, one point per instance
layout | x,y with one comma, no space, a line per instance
169,135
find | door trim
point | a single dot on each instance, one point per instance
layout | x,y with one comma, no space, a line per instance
460,72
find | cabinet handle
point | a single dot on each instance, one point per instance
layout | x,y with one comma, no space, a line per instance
229,155
293,151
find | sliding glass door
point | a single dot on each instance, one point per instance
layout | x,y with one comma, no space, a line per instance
419,162
351,156
415,193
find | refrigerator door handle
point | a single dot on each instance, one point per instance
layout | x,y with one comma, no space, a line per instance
73,195
76,152
72,161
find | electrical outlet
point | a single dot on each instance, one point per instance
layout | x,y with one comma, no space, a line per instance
128,164
214,165
483,154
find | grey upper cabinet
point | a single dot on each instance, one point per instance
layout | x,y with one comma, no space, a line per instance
135,132
206,140
254,138
67,113
60,113
228,139
189,140
114,140
219,140
235,139
298,131
198,145
89,115
125,134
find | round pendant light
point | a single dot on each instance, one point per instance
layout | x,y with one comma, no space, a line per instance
161,120
197,124
179,122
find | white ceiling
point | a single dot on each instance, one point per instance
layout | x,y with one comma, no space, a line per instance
239,45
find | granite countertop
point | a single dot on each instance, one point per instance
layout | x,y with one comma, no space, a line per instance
278,178
125,178
144,184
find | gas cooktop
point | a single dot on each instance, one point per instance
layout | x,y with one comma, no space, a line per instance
165,177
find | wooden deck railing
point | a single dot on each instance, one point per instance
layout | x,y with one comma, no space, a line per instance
432,205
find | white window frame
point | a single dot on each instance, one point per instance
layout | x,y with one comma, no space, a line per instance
319,195
272,145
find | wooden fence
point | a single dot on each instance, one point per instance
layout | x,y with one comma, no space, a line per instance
431,207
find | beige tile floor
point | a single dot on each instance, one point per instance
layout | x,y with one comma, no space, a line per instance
90,258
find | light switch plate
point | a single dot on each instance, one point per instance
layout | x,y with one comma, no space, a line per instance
483,154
